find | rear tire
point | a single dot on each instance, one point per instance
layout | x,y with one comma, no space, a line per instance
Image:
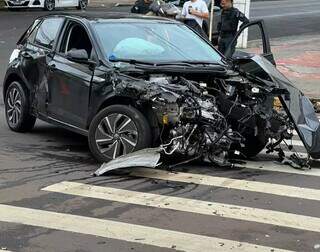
17,108
118,130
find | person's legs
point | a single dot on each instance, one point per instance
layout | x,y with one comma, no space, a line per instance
224,44
221,46
232,47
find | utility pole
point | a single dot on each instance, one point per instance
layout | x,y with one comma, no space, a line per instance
211,20
244,7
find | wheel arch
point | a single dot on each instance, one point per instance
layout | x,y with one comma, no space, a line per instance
145,109
11,78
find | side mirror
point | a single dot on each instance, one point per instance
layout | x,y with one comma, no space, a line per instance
78,55
81,56
216,9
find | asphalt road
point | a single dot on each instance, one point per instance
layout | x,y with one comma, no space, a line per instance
288,17
263,207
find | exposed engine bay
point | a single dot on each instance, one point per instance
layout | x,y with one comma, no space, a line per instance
191,123
231,116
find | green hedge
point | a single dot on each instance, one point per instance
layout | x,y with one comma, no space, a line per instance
1,4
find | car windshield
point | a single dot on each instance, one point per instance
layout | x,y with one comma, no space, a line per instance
153,42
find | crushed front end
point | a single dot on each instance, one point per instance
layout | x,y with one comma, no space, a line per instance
189,119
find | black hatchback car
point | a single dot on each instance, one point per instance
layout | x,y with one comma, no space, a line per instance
62,72
131,82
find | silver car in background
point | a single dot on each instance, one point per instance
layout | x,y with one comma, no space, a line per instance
48,5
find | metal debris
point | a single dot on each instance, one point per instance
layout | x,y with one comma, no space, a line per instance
144,158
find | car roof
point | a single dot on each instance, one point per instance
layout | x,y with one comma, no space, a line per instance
112,16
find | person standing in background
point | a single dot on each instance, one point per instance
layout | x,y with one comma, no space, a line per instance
195,11
228,26
141,7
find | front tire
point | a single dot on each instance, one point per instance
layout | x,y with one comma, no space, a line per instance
49,5
255,144
17,108
118,130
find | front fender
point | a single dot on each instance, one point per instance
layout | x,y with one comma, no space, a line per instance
298,107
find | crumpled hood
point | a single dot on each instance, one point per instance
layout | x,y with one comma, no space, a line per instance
298,106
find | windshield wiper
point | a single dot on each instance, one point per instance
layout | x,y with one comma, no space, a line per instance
186,63
189,63
198,62
132,61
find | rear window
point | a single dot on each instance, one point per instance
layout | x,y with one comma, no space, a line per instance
29,33
48,31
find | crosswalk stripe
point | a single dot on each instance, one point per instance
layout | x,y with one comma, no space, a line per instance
238,184
287,153
271,166
123,231
293,142
189,205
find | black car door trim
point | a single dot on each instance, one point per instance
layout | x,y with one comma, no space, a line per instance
65,29
68,125
53,49
265,37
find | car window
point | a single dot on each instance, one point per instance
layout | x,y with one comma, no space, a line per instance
30,33
33,32
48,31
156,42
77,38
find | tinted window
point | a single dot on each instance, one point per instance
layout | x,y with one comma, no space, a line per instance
48,31
76,38
33,32
30,33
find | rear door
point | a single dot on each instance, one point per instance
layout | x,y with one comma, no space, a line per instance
36,53
251,39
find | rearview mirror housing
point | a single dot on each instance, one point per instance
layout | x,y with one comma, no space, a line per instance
81,56
216,9
78,55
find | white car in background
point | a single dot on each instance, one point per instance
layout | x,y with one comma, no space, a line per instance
49,5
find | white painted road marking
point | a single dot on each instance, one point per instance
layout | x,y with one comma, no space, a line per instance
287,153
293,142
238,184
123,231
272,166
189,205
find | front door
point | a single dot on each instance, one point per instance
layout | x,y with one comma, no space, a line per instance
69,81
257,42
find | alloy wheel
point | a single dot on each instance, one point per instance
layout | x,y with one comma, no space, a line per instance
116,135
50,4
83,4
14,102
